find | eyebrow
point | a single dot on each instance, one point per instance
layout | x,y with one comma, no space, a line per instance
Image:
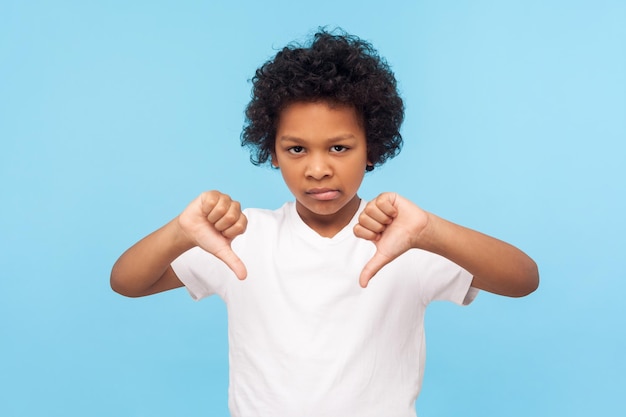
334,139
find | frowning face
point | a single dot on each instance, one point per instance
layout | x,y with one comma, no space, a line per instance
321,151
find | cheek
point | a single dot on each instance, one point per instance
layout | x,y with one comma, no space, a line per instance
355,176
290,175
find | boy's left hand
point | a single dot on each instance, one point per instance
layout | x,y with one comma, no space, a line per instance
394,224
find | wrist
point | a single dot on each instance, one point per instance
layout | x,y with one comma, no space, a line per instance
181,241
427,237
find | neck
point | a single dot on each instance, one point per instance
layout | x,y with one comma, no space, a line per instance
328,225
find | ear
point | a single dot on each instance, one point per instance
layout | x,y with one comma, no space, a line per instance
369,166
274,160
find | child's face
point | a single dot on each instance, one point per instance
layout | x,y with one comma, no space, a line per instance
322,154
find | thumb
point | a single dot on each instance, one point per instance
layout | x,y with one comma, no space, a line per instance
231,260
372,267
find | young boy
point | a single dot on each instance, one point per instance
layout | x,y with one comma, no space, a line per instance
326,295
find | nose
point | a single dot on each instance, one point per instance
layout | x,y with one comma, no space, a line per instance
318,167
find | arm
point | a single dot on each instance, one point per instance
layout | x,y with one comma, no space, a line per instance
396,225
211,221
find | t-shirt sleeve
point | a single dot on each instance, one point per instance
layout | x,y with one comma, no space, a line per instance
443,280
202,273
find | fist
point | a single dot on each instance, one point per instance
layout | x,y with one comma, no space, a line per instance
211,222
394,224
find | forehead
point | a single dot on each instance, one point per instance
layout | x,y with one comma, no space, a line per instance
315,119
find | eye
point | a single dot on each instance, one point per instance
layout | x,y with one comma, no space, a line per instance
338,148
295,149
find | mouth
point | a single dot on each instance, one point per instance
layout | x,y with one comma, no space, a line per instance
322,194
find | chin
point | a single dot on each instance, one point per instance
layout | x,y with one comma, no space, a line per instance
325,208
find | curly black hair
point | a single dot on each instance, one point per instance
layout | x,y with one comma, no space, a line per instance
336,68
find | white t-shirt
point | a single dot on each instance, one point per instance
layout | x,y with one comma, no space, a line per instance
304,338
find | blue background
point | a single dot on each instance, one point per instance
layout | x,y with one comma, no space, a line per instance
114,115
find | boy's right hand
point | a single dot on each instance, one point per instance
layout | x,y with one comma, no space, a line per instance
211,222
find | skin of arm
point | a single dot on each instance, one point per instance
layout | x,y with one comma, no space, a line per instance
396,225
211,221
